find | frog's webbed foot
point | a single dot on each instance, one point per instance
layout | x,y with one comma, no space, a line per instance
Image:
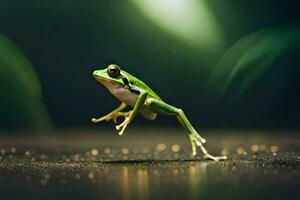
111,116
108,117
121,127
197,141
114,116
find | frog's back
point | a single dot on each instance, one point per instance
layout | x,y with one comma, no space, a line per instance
138,83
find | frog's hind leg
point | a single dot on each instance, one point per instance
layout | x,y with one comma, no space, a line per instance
195,138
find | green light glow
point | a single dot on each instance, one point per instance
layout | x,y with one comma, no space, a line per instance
190,21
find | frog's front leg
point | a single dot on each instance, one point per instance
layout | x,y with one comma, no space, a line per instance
139,103
195,138
112,115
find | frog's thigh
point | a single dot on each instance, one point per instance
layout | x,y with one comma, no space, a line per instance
164,108
161,107
148,114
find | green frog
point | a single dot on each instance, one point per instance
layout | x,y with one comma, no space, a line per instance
133,92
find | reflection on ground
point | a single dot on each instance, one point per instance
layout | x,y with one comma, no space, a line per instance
148,166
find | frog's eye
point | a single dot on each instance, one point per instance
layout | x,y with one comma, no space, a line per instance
113,71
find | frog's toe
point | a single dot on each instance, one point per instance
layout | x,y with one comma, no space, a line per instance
118,127
194,148
95,120
198,137
121,132
215,158
121,127
197,142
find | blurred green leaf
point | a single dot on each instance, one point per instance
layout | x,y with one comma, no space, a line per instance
21,102
250,58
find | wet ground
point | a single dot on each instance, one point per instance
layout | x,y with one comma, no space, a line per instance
152,164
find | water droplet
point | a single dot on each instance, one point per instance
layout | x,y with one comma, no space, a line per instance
160,147
94,152
125,151
3,151
27,153
175,148
107,150
225,152
240,150
91,175
13,150
254,148
274,148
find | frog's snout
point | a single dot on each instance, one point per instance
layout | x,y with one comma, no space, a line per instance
95,73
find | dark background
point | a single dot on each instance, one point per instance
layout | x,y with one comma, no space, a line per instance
66,40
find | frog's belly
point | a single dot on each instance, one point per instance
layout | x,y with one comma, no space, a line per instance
124,95
130,99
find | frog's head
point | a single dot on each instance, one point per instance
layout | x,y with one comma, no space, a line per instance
110,75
